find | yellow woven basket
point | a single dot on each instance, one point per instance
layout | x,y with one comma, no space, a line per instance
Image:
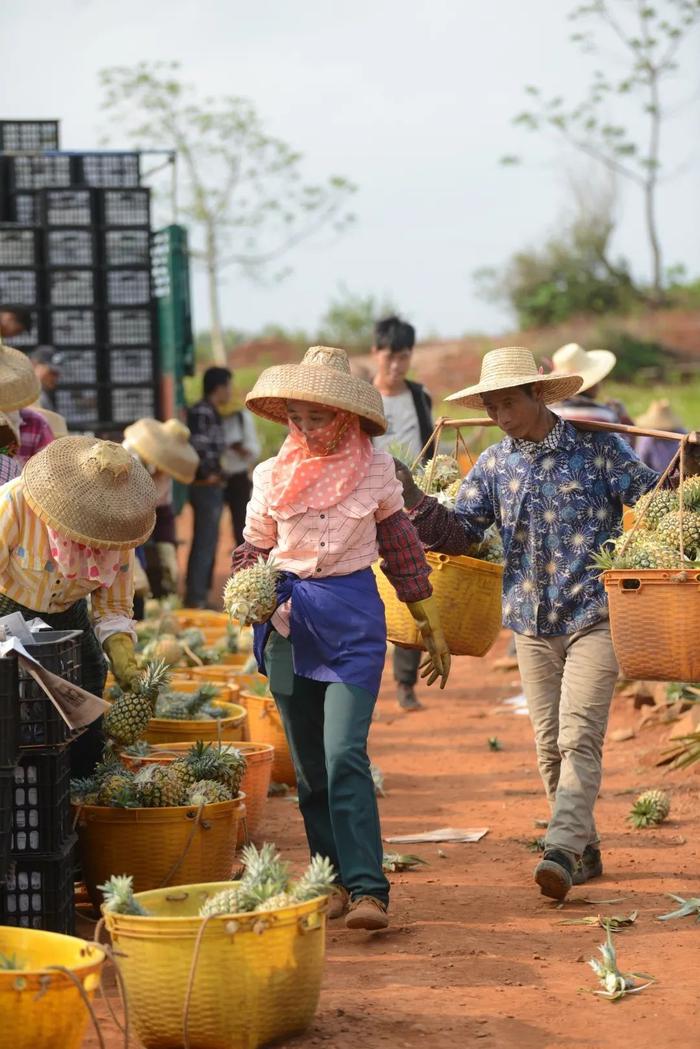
229,728
468,595
158,846
265,725
39,1007
256,977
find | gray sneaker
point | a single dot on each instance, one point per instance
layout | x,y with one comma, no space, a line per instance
591,865
407,697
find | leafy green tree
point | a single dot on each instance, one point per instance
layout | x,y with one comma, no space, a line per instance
349,320
241,189
649,37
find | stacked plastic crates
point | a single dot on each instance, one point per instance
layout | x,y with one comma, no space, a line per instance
83,220
36,832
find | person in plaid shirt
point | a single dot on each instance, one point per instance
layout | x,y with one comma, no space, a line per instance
322,510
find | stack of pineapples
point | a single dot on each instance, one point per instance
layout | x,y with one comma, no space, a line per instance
441,477
656,541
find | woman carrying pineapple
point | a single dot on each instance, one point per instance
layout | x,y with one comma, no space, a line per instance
68,528
319,513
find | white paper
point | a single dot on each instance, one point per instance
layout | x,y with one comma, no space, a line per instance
15,626
463,834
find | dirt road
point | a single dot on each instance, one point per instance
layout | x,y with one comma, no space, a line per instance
475,955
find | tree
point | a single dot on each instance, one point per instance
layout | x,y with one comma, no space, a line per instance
241,189
650,36
349,320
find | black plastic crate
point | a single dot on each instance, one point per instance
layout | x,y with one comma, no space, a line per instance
132,365
126,247
68,207
19,286
109,169
27,340
126,207
24,208
9,712
40,724
71,287
41,814
128,287
17,135
129,327
18,246
78,406
38,891
41,172
72,327
7,784
70,247
78,366
129,403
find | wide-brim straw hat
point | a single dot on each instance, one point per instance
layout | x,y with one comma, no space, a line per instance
59,426
19,385
323,377
91,491
513,366
660,416
165,446
591,365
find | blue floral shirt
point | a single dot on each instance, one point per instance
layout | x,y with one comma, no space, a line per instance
555,503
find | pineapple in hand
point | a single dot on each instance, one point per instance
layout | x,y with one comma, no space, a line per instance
129,714
250,596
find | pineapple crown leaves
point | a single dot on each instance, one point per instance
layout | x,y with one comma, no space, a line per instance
154,678
615,984
651,808
81,787
687,909
265,865
118,893
317,880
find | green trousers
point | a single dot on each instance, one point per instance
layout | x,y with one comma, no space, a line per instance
327,725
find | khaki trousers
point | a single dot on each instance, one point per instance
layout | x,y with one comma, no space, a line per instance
568,682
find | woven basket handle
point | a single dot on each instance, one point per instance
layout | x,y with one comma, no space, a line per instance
434,441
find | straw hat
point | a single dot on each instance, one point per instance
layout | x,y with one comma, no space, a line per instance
59,427
514,366
591,365
19,385
323,377
165,446
91,491
660,416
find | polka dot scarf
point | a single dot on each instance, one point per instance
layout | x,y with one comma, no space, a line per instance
77,561
322,469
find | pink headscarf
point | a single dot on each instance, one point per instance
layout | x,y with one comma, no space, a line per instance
320,469
77,561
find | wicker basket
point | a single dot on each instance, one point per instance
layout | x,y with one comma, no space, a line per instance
159,847
256,977
655,623
41,1009
468,597
228,729
255,784
265,725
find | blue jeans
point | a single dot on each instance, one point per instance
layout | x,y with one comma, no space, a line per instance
327,727
207,504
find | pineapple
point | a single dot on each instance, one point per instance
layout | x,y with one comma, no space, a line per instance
117,789
669,529
644,551
224,902
250,596
127,718
185,706
158,787
224,764
317,880
651,808
118,894
445,470
691,493
84,791
654,507
208,792
166,650
276,903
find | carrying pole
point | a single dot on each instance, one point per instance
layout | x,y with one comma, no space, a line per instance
664,435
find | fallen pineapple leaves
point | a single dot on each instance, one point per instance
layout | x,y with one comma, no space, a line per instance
612,923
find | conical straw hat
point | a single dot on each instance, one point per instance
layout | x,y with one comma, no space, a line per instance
323,377
591,365
19,385
514,366
660,416
59,427
91,491
164,446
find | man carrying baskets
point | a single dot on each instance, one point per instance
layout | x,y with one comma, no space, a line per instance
556,494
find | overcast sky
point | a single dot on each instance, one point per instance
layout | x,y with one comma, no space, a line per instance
410,99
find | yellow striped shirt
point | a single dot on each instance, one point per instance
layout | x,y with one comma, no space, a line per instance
29,575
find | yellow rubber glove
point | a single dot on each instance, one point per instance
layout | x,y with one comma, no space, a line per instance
426,618
120,649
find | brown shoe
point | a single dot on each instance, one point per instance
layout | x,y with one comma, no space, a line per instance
366,912
338,902
407,697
